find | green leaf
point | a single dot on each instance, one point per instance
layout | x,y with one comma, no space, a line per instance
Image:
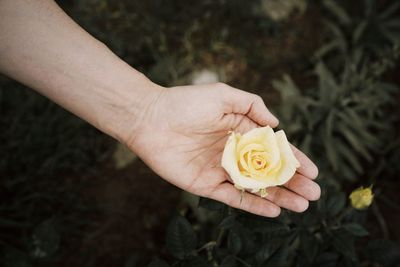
279,258
327,48
335,204
383,251
158,263
45,239
229,261
195,262
308,245
210,204
262,225
234,242
15,258
132,261
359,31
268,249
343,242
228,222
391,10
339,36
355,229
328,87
180,239
337,11
350,156
354,141
327,259
329,143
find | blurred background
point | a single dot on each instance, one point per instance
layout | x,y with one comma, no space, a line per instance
71,196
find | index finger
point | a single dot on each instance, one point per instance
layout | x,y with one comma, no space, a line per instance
307,167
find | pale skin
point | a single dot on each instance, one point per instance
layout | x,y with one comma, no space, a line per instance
179,132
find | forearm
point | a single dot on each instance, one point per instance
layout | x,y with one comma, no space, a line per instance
43,48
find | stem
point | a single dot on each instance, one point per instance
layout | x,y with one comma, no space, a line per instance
381,220
207,245
220,236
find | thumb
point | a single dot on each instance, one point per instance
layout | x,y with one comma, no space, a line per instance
250,105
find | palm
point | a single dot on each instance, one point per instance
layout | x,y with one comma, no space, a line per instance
183,142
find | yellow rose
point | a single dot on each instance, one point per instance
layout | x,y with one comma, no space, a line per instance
361,198
259,159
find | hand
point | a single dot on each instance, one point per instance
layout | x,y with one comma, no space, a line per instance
182,134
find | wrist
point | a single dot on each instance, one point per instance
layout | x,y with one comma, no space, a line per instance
130,102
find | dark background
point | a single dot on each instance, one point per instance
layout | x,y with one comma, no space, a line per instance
71,196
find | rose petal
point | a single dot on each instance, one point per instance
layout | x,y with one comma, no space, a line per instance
288,160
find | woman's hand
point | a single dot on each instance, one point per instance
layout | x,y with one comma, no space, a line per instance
181,136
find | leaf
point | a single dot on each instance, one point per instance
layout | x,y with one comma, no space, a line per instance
210,204
391,10
268,249
353,141
228,261
45,239
359,31
395,23
308,245
286,87
339,36
343,242
383,251
262,225
234,242
195,262
337,11
391,35
328,86
228,222
158,263
327,48
132,261
279,258
329,143
15,258
327,259
350,156
355,229
335,204
180,239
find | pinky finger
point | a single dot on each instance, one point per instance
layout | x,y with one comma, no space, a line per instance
233,197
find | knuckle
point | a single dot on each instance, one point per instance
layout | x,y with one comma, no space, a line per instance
221,85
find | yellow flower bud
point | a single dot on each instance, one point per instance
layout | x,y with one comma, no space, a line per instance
361,198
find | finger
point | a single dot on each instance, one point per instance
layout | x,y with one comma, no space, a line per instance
305,187
307,167
286,199
238,123
250,105
228,194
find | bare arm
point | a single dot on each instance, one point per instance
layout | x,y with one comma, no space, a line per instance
43,48
179,132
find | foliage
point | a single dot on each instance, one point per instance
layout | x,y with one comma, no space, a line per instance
343,122
38,205
343,119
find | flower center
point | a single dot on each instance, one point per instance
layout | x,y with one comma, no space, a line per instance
258,162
